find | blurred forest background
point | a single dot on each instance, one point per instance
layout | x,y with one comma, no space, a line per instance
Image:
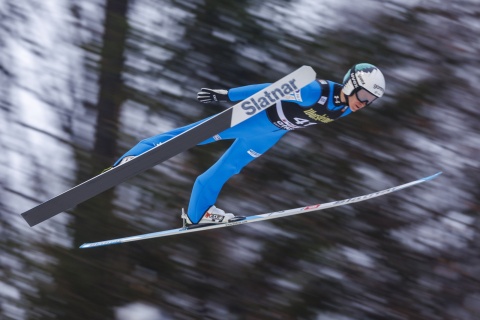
82,81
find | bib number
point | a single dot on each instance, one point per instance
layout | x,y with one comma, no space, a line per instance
303,122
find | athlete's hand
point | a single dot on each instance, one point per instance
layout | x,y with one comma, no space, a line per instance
212,95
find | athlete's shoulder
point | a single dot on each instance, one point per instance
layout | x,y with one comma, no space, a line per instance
330,83
308,95
312,92
319,85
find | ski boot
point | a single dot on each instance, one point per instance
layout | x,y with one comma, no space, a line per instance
213,216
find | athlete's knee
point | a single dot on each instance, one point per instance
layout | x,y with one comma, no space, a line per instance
216,176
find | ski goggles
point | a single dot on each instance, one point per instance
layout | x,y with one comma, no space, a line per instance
365,96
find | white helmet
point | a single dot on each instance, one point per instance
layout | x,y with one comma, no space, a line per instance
367,77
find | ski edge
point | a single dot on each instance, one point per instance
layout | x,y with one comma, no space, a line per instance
262,217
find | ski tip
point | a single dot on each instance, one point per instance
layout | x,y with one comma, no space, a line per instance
433,176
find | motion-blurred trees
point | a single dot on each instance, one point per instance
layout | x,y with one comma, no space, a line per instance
411,255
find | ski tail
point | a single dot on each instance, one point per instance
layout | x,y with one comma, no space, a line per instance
433,176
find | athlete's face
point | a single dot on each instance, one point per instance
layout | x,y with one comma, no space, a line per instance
355,104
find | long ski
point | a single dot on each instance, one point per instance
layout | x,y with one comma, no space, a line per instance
188,139
261,217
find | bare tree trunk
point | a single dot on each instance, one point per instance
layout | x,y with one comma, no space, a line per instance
111,93
77,273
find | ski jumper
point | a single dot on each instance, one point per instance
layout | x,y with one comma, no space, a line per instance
318,102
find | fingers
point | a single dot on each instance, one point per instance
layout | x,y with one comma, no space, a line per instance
205,95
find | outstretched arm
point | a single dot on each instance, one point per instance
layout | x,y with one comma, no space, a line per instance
307,96
241,93
206,95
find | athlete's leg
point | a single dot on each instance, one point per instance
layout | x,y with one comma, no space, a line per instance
208,185
151,142
253,127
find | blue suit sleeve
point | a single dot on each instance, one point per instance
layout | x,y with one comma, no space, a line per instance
241,93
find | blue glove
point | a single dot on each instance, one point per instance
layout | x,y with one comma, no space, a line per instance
212,95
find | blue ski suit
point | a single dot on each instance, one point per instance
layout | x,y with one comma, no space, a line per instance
318,102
